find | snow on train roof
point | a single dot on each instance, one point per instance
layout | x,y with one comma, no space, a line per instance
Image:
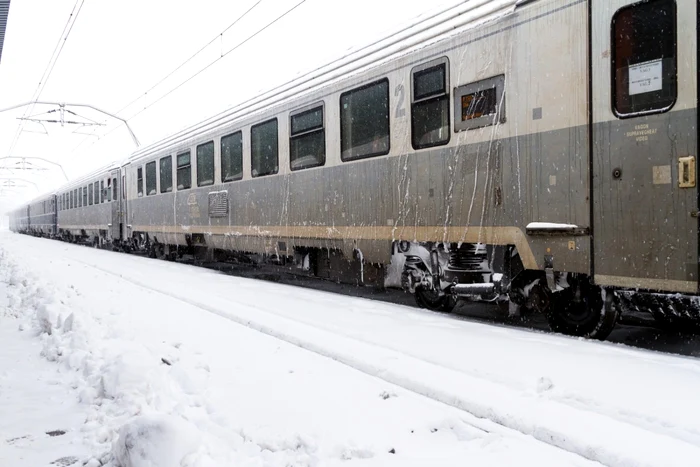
439,26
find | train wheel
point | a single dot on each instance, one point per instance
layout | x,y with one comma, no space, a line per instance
433,300
582,310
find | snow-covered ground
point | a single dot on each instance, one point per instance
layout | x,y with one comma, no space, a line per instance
149,363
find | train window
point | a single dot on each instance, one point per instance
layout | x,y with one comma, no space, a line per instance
364,121
85,198
115,196
232,157
71,200
97,192
480,104
307,140
264,145
184,171
150,178
76,200
109,190
124,187
430,104
644,58
139,181
90,194
205,164
166,174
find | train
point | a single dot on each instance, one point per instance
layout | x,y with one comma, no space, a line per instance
538,154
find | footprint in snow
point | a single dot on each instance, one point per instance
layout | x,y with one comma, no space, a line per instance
544,384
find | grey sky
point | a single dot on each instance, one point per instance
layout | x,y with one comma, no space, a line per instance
118,49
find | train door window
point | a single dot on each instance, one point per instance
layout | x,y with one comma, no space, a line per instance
139,181
307,139
166,174
264,148
232,157
644,58
115,195
184,171
480,104
430,104
205,164
364,121
90,194
151,178
124,186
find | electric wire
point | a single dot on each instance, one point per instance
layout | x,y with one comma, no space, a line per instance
190,58
72,18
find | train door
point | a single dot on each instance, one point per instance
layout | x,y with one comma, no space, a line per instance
113,184
644,144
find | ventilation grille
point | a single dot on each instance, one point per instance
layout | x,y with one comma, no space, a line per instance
218,204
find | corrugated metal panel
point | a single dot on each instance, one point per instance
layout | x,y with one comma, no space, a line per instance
218,204
4,12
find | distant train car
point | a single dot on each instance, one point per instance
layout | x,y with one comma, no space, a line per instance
540,153
42,216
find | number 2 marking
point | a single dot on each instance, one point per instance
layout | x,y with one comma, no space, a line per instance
400,92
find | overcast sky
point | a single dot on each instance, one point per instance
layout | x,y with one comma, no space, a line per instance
118,49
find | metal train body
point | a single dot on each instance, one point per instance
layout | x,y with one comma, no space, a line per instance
542,151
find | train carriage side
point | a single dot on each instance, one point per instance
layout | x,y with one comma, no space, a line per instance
42,216
645,140
86,208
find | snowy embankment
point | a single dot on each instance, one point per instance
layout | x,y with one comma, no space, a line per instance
146,348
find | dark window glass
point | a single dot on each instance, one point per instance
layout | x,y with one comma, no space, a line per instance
166,174
232,157
115,196
205,164
97,192
644,58
307,142
109,190
184,171
430,108
90,194
139,181
264,156
150,178
102,191
364,121
124,186
429,82
85,196
76,199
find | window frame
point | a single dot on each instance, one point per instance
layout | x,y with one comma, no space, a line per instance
497,82
301,111
221,157
277,151
340,106
613,70
442,61
187,153
201,183
169,189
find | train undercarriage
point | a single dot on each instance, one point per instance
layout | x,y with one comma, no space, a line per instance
439,275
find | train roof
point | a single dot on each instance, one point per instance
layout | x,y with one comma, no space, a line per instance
434,27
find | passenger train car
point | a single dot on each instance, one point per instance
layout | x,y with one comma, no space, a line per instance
541,152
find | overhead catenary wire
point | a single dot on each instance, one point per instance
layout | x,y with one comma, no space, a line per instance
201,70
218,36
67,28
